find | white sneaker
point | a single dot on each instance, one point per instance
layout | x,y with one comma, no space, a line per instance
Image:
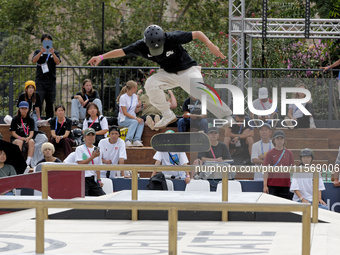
157,119
311,123
128,144
137,144
150,122
165,121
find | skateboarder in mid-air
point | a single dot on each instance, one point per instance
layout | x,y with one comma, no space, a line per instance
177,68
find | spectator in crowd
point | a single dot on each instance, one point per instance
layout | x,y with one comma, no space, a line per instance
22,129
240,134
172,159
336,182
260,148
71,158
96,121
86,154
278,184
6,170
303,121
113,152
48,150
61,130
82,99
46,74
264,103
218,151
34,101
128,101
150,114
302,183
192,116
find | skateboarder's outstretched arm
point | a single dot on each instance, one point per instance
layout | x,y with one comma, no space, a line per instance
212,47
94,61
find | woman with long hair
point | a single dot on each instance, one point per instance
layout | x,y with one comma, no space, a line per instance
96,121
82,99
128,101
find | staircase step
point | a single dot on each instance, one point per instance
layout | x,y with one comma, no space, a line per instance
312,143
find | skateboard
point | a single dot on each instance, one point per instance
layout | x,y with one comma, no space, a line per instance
181,142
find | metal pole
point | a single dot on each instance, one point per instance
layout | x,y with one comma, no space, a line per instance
225,194
39,230
306,231
103,23
11,96
173,218
134,193
330,104
315,205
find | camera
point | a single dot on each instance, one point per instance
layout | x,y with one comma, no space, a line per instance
96,149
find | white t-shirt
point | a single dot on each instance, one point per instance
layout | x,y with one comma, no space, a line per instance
258,149
297,113
266,105
83,150
103,123
179,157
303,182
113,152
130,102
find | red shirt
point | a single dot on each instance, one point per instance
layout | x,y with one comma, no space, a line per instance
281,179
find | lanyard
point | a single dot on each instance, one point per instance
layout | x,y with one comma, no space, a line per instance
93,122
90,154
56,123
130,104
239,132
23,126
212,152
194,106
270,147
263,105
280,157
49,54
86,96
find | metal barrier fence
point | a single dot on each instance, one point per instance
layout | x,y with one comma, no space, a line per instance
134,181
109,80
171,207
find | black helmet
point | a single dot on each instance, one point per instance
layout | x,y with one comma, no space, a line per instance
154,38
77,132
306,152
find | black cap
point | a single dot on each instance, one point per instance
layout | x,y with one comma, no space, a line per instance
279,133
266,125
213,129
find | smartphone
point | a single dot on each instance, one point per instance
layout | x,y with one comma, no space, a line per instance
47,44
96,149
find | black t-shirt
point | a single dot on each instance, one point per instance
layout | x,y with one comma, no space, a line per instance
174,57
220,150
192,106
17,126
60,130
31,104
91,97
236,129
51,74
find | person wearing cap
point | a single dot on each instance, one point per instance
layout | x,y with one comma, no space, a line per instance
240,134
172,159
302,183
113,152
33,98
278,184
60,127
86,154
128,103
303,121
177,68
22,131
260,148
218,151
264,103
192,116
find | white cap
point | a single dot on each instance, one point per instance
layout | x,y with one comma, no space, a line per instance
263,93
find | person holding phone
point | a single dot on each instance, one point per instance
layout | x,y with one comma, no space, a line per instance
45,78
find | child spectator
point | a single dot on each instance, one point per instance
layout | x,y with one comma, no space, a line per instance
61,130
302,183
82,99
128,102
6,170
34,101
96,121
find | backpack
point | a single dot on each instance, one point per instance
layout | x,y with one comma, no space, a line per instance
157,182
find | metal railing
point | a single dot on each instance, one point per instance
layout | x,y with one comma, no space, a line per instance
134,180
108,81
